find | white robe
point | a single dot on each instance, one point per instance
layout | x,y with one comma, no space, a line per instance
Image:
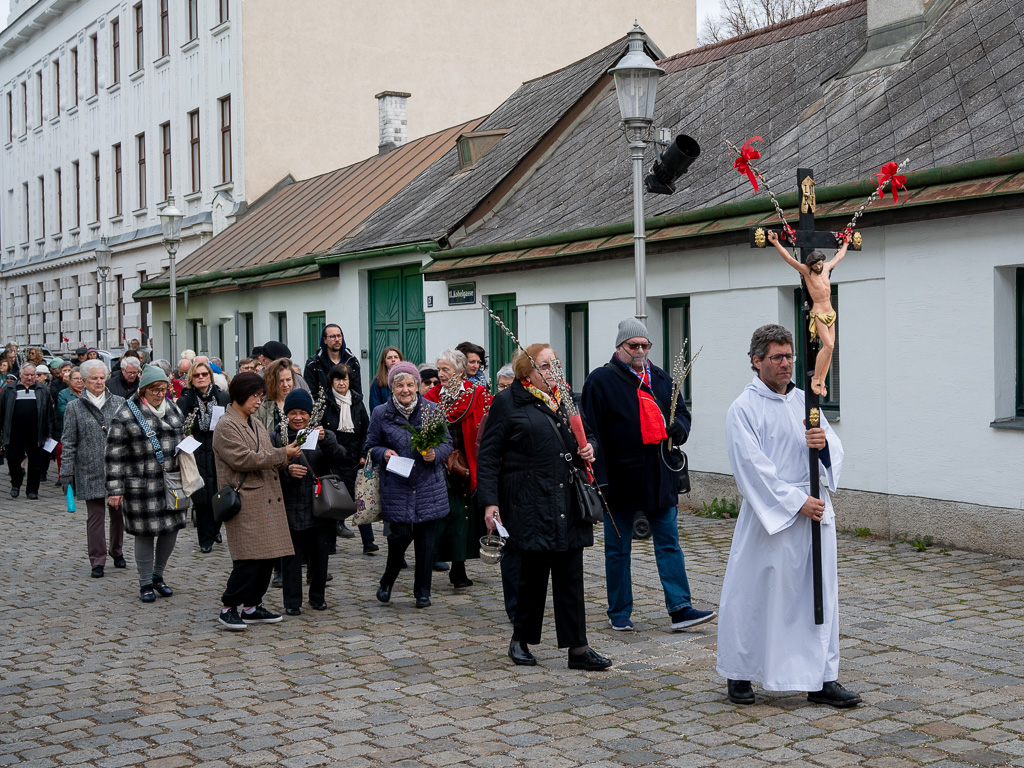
766,629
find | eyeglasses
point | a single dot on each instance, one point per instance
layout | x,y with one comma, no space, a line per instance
333,336
637,346
546,367
158,390
777,359
199,374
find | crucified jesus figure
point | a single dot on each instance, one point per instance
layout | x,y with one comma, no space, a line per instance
815,274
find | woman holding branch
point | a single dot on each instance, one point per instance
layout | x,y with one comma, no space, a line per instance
525,484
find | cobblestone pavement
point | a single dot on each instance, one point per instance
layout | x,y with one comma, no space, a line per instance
90,676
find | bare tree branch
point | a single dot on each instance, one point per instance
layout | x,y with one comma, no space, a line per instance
738,17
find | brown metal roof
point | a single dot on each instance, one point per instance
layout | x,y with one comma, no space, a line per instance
314,215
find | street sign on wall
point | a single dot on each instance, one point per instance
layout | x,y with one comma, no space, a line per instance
461,293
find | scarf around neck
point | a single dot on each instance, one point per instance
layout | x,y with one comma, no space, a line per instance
206,401
160,412
552,401
406,411
344,403
97,400
652,421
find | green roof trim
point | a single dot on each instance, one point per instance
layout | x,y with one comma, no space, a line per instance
926,187
420,246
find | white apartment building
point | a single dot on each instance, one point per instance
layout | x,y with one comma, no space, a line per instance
107,109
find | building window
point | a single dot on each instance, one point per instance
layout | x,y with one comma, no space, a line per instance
225,12
94,47
24,108
96,186
140,148
115,50
165,30
225,139
675,323
42,207
39,90
140,47
74,74
577,345
60,201
1020,343
24,192
193,145
10,117
831,401
117,179
56,87
78,194
193,19
165,142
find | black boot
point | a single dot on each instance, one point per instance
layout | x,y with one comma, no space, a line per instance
833,694
520,654
740,692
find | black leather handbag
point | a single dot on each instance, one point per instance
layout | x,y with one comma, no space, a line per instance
588,497
226,502
331,499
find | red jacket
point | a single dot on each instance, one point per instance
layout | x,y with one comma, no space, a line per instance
468,411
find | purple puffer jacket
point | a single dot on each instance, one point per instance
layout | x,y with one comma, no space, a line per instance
424,494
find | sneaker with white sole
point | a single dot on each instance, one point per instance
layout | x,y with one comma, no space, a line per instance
621,625
260,615
230,619
690,617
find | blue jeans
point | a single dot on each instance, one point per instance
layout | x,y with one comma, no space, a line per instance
667,554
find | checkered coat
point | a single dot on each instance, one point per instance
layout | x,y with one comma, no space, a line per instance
260,530
134,473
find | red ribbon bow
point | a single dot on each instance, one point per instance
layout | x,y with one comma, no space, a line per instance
742,163
888,172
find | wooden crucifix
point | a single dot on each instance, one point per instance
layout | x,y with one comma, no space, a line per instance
817,325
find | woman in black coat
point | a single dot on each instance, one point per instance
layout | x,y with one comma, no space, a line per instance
345,416
523,481
197,403
312,537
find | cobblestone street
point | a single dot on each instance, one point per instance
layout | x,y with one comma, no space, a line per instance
90,676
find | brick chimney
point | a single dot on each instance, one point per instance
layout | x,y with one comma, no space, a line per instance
392,120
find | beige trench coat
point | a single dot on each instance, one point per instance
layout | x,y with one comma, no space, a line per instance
260,530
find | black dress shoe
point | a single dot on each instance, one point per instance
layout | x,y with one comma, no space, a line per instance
384,593
160,586
277,581
834,695
97,571
205,548
589,659
293,611
32,495
15,492
462,583
146,594
520,654
218,539
120,562
321,606
422,602
369,549
740,692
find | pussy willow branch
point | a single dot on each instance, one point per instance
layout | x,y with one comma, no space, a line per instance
677,383
508,333
767,186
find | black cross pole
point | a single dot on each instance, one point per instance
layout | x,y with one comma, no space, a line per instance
807,239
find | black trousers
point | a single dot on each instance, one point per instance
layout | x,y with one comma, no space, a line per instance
421,536
206,527
566,569
17,451
311,544
248,582
511,567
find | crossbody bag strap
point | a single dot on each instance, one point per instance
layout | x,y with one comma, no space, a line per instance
573,469
148,430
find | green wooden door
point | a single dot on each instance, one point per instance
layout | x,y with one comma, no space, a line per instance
315,322
502,349
396,314
675,330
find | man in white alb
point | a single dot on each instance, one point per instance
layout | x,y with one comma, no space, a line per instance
766,629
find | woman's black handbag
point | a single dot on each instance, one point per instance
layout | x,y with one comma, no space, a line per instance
331,499
587,497
226,502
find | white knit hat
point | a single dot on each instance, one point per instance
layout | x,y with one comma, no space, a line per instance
631,328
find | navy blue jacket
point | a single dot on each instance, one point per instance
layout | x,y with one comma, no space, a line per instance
635,475
424,494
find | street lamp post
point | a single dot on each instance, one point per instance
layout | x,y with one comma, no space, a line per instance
170,222
636,85
103,268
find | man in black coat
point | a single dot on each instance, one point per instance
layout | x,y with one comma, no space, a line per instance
333,350
628,402
26,423
125,382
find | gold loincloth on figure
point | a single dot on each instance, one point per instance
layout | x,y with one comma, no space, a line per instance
828,318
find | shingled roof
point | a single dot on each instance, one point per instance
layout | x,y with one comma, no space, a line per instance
958,97
436,203
307,217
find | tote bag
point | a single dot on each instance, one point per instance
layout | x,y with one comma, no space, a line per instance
367,494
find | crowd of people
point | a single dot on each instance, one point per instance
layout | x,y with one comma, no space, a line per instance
511,460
